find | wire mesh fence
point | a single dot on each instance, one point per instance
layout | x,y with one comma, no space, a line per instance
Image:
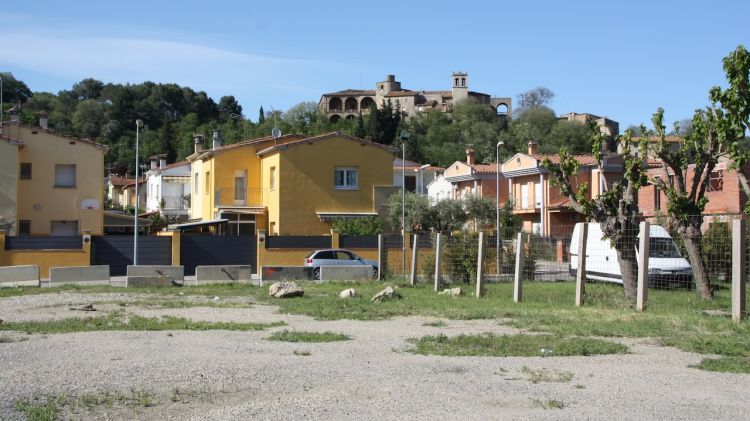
680,263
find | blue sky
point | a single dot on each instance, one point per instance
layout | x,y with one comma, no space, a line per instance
622,60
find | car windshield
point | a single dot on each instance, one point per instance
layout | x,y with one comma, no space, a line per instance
663,248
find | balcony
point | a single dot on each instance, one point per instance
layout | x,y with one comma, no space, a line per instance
239,197
529,208
175,203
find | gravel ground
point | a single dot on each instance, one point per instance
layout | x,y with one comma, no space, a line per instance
240,375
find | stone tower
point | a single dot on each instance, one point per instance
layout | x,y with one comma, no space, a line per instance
460,87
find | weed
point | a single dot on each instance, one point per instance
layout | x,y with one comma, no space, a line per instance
512,345
302,353
296,336
580,386
438,323
39,409
544,376
725,364
548,404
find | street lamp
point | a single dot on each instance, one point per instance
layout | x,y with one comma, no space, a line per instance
405,135
497,205
420,185
138,125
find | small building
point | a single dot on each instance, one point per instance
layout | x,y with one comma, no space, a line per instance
472,179
168,187
416,176
349,103
607,127
60,180
439,189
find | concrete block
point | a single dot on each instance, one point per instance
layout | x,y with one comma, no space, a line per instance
79,275
221,274
144,275
345,273
17,276
289,273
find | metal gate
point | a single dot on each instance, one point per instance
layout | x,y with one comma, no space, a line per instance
200,250
117,252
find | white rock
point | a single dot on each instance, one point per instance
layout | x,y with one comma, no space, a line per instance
386,294
285,289
348,293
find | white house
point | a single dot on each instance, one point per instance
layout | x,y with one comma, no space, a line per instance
439,189
417,176
168,187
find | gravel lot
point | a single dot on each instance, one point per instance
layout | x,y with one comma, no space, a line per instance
240,375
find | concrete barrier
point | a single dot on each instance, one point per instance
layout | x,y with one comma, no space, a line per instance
345,273
19,276
221,274
147,276
289,273
78,275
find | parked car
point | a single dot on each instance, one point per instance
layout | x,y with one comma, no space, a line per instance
666,266
337,257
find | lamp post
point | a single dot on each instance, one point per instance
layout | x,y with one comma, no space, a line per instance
405,135
497,207
138,125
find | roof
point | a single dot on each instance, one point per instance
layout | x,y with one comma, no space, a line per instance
564,203
313,139
197,224
555,159
40,129
11,140
131,183
284,139
670,139
403,92
117,180
485,168
351,92
411,165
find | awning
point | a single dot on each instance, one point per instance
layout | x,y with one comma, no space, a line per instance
331,216
197,224
114,219
252,210
176,178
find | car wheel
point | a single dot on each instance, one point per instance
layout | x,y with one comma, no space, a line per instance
316,274
374,272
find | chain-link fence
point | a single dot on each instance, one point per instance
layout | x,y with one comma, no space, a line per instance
683,265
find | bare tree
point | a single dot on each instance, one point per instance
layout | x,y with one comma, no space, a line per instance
534,98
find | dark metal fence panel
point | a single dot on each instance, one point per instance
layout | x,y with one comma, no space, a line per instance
298,242
211,250
359,241
117,252
43,243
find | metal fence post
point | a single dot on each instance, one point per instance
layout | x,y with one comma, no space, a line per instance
519,269
480,264
381,267
738,269
643,251
581,272
414,253
437,261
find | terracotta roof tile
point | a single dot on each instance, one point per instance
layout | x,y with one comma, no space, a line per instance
485,168
555,159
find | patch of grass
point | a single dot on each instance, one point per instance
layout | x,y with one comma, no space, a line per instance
39,409
548,404
302,353
438,323
120,321
297,336
180,303
513,346
544,376
580,386
725,365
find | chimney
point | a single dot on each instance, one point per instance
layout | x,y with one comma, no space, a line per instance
153,162
162,161
533,150
470,156
43,119
217,139
390,78
15,115
198,141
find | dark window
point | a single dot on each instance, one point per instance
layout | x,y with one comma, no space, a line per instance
411,183
24,227
343,255
657,198
26,170
325,255
463,81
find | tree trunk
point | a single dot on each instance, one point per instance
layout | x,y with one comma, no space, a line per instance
692,238
626,257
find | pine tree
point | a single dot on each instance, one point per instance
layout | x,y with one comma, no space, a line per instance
261,116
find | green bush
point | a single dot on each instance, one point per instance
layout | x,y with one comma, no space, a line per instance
717,249
371,225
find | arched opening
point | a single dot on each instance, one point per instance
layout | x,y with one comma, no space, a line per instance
350,117
334,104
350,104
502,110
366,103
335,118
463,81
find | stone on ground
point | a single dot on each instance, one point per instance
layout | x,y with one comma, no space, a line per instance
454,292
285,289
348,293
387,294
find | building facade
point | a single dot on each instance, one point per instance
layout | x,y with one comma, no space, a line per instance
9,167
472,179
168,187
349,103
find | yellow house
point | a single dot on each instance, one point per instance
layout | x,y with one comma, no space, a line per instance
60,181
9,183
291,185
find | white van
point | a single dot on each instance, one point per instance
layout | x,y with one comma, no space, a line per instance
666,266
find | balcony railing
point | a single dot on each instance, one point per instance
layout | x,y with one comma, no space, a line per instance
175,203
239,197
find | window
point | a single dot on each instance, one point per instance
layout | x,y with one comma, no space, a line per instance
463,81
26,170
657,198
716,181
524,196
65,175
537,195
24,227
343,255
197,187
345,179
208,180
411,183
240,192
272,178
63,228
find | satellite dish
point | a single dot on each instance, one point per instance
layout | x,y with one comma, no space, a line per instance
276,133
